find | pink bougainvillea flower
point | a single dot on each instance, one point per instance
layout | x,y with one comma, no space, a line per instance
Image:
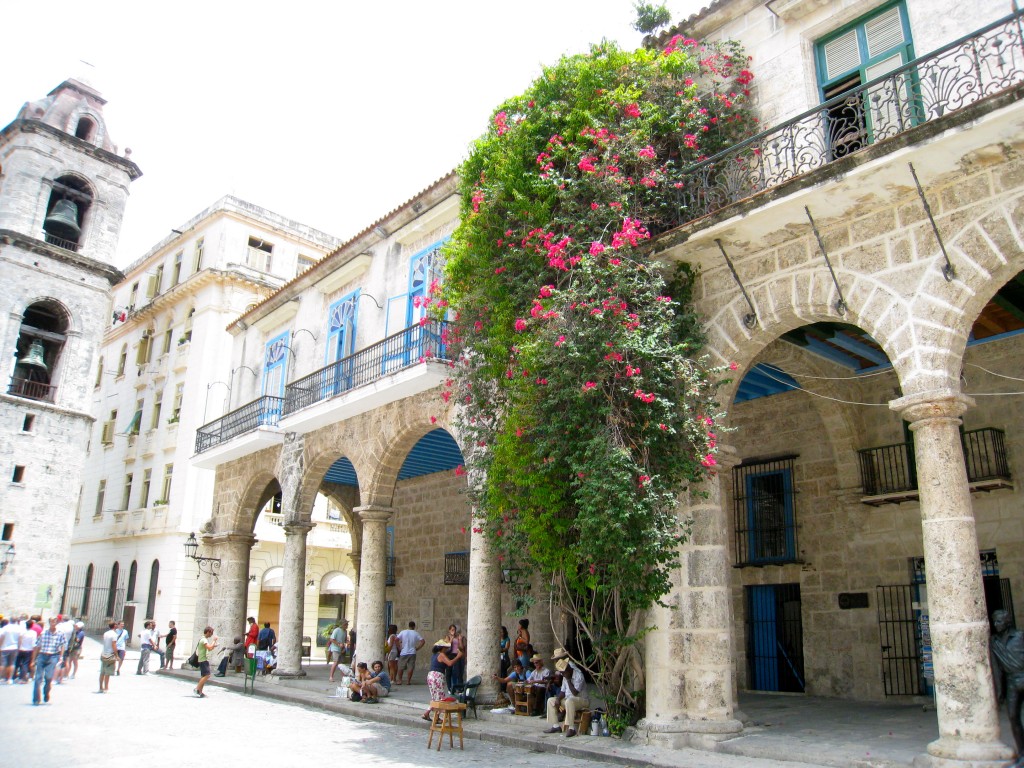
632,110
643,480
560,342
647,152
586,164
460,470
501,123
589,386
499,270
690,141
424,320
733,366
545,290
593,568
446,395
708,461
663,427
615,262
433,419
520,324
594,206
596,249
519,432
462,529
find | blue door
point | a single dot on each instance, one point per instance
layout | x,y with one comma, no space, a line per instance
775,638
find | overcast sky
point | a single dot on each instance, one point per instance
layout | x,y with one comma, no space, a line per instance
330,113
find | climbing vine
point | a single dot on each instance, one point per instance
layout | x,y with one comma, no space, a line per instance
581,391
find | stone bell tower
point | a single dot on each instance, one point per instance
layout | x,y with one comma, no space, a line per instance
63,189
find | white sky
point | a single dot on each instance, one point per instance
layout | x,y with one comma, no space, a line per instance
331,113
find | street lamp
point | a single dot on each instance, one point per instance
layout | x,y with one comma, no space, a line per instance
8,558
206,564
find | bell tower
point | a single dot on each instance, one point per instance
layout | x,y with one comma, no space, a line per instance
63,189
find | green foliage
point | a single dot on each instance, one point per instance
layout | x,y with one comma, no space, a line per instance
583,401
650,17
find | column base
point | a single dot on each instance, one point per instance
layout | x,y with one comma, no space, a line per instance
288,675
957,753
698,734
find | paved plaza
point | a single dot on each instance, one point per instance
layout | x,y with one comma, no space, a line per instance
296,722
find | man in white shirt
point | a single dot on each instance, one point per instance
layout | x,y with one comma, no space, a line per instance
10,634
411,641
26,644
122,645
573,694
108,656
146,644
66,626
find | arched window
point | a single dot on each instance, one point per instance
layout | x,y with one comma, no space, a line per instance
133,573
40,342
187,333
122,360
86,593
84,129
66,211
115,573
154,579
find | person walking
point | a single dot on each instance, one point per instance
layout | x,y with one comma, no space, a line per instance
394,646
74,650
335,645
108,656
122,645
26,644
10,634
170,642
203,650
46,656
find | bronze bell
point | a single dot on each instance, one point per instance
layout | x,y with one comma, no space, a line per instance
63,221
36,357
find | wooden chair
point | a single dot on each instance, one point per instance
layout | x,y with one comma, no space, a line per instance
446,717
522,702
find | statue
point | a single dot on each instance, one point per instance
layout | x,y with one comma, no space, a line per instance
1006,651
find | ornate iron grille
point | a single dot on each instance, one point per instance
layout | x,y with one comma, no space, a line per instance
264,411
899,633
955,76
456,568
401,350
765,518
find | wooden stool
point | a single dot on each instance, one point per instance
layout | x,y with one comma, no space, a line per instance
523,703
442,722
581,723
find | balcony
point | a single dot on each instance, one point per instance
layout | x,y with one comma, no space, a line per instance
889,475
389,576
32,390
956,76
403,364
67,245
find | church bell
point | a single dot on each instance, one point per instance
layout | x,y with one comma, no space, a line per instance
63,221
36,357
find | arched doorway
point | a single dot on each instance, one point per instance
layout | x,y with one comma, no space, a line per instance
270,596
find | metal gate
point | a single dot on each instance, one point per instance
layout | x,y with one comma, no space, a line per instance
900,637
93,594
775,646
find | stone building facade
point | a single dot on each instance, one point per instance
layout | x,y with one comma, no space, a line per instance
63,188
164,369
860,265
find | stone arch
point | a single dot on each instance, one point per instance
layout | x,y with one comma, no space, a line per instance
390,451
237,508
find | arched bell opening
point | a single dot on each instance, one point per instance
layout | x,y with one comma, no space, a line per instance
66,212
44,327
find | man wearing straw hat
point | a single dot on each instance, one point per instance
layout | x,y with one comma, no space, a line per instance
572,696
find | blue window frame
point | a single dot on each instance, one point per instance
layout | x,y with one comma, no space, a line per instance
425,268
764,514
869,48
341,343
275,365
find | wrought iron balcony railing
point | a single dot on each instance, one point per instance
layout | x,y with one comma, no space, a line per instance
262,412
398,351
32,390
389,576
889,469
395,353
955,76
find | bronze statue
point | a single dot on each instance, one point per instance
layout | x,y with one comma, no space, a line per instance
1006,650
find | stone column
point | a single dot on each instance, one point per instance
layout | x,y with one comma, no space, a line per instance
354,558
372,581
483,622
964,695
226,612
689,657
289,632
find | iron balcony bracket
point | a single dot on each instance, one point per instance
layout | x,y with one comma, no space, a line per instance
749,319
948,271
840,304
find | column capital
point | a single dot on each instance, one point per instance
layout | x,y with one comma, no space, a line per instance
925,406
298,527
374,513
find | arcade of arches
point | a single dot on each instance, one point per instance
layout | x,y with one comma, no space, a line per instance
863,521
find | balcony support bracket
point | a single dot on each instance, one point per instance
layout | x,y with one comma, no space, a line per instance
749,319
840,304
948,271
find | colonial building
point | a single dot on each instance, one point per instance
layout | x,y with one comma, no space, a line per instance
860,262
165,369
63,188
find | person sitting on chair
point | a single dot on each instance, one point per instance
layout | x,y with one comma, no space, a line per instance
515,676
233,654
573,696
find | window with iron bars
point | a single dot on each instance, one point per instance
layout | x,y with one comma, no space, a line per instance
763,502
